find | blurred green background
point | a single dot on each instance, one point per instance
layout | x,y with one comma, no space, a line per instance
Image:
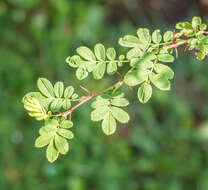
163,147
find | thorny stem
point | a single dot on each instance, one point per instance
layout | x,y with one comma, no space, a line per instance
120,82
91,95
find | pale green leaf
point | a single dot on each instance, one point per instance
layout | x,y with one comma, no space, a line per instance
65,133
47,130
100,52
129,41
111,68
56,105
74,61
68,92
43,140
61,144
168,36
81,73
45,87
109,124
160,81
164,70
86,53
165,58
100,102
156,37
51,152
66,104
99,70
120,102
144,35
75,95
196,21
119,114
144,92
134,52
136,77
111,53
66,124
99,113
59,89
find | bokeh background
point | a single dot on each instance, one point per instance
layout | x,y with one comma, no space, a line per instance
163,147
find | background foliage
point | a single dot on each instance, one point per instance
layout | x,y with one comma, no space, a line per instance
164,146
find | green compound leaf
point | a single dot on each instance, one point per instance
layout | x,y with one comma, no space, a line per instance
100,52
99,70
119,114
86,53
81,73
43,140
109,124
68,92
66,124
111,68
65,133
167,58
160,81
59,89
61,144
168,36
99,113
45,87
111,53
164,70
51,152
144,93
136,77
129,41
156,37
